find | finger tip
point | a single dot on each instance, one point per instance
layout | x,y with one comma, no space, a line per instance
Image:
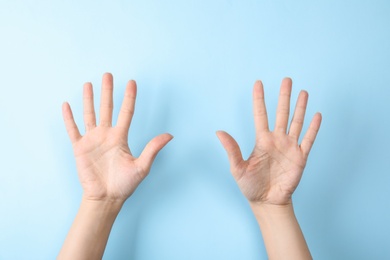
107,76
168,136
319,115
65,105
87,90
132,87
132,83
257,87
317,119
258,82
66,110
286,86
287,79
304,94
219,132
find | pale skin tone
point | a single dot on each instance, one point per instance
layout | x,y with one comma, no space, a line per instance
109,173
270,175
107,170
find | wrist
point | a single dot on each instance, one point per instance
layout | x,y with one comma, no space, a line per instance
107,207
262,210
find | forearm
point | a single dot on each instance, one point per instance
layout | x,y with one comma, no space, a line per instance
90,230
281,232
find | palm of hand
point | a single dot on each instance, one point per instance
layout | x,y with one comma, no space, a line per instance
273,171
276,165
105,165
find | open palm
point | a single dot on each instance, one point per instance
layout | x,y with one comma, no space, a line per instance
105,165
273,170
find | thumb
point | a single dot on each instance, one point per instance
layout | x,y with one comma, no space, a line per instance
232,149
151,150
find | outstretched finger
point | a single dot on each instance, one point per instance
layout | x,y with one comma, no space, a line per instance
128,104
259,108
89,109
106,100
70,124
232,149
299,115
310,136
151,150
283,109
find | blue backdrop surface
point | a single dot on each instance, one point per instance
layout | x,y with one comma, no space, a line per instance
195,63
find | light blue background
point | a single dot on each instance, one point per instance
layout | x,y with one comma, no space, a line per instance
195,63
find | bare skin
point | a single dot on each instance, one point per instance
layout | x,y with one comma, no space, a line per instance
109,173
107,170
270,175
